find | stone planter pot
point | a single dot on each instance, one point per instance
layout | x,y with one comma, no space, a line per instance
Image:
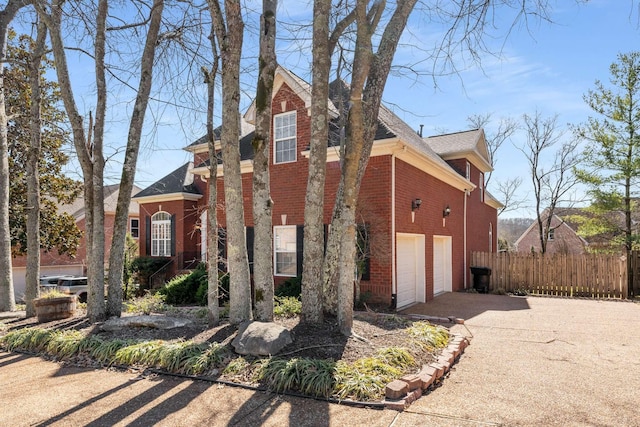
48,309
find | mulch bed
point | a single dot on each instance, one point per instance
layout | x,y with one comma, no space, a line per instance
324,341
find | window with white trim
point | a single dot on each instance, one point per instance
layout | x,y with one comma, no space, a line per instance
285,250
134,227
481,186
468,171
161,234
552,234
284,131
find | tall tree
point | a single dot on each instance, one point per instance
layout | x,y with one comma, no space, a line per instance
33,175
262,203
7,298
88,144
611,159
324,43
213,307
552,182
228,27
369,75
57,230
116,255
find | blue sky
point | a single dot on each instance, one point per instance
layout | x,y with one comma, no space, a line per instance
545,67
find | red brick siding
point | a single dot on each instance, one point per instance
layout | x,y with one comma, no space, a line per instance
412,183
288,189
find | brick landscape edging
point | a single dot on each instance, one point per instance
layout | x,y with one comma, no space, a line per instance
399,394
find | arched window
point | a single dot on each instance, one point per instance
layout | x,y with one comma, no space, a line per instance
161,234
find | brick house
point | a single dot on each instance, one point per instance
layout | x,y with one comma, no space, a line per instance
52,264
563,233
422,200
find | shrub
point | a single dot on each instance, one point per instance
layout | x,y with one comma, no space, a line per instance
182,289
146,304
290,288
287,307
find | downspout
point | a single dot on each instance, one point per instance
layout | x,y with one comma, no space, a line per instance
464,231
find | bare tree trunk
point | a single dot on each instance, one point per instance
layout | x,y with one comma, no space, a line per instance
213,304
7,297
262,203
116,256
89,150
369,72
313,253
317,293
33,175
230,41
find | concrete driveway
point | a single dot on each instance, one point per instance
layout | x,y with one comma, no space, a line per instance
538,362
532,361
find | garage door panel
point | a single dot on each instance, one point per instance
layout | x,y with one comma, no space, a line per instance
406,271
410,266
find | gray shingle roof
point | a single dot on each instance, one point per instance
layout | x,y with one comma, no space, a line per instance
178,181
458,142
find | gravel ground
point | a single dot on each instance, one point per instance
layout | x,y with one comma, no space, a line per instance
532,361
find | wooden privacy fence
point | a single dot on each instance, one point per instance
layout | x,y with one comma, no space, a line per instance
587,275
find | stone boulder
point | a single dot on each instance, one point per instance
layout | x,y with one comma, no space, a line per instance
157,322
261,339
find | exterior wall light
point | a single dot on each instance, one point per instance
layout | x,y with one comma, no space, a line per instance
446,212
415,204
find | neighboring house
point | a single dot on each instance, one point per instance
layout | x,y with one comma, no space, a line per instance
422,200
563,237
563,233
51,263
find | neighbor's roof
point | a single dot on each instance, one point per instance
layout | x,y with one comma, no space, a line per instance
111,192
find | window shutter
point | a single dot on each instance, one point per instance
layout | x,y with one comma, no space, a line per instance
147,235
299,248
249,241
173,235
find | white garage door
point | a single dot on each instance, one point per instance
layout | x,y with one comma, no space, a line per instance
441,264
410,269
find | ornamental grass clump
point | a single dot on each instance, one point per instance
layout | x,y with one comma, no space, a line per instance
145,353
428,337
213,356
310,376
64,344
27,339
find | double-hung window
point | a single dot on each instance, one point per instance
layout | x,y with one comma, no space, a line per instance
134,227
161,234
284,241
284,130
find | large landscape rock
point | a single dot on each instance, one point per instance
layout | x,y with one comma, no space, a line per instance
261,339
157,322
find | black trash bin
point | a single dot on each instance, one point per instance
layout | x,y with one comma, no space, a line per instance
481,276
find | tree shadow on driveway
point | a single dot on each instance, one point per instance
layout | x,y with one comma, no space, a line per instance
467,305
